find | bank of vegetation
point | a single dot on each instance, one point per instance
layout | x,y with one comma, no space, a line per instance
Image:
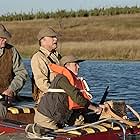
67,14
112,33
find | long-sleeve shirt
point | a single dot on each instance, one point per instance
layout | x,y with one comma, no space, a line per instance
39,63
55,104
18,70
71,91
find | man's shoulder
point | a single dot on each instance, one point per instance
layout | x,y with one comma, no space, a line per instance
61,77
9,46
37,54
39,57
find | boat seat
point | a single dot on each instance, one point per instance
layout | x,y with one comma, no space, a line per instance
17,110
21,114
108,125
89,130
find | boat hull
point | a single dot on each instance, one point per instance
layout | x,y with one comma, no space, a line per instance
19,116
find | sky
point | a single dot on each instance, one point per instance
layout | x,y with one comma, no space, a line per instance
18,6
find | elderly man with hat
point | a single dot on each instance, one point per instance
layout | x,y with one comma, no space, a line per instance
12,71
46,54
65,102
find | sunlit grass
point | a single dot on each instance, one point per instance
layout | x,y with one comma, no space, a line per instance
106,50
101,37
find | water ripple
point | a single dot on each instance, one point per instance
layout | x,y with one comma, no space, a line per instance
123,78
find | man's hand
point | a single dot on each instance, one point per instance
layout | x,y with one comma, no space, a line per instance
8,92
98,110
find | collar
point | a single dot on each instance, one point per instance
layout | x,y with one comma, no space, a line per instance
1,51
45,51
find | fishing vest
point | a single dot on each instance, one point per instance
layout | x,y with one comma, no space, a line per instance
75,81
35,90
6,68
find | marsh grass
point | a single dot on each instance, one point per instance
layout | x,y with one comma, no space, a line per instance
101,50
102,37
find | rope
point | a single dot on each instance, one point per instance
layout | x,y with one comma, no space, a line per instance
134,112
83,126
2,133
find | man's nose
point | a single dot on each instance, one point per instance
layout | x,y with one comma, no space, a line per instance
55,38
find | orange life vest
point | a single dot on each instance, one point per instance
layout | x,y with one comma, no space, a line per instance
74,80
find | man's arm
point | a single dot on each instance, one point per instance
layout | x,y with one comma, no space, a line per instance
76,96
73,92
40,71
19,72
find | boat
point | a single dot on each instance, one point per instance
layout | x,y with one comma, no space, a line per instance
20,117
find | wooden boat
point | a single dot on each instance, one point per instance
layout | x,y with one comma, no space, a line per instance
113,128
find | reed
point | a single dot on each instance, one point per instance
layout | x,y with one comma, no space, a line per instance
101,50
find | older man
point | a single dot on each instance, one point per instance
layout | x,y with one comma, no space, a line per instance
46,54
12,72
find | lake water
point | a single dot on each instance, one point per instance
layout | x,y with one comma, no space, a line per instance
122,77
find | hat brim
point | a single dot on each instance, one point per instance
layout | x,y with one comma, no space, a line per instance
79,61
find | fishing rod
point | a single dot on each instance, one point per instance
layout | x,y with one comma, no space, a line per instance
103,99
104,96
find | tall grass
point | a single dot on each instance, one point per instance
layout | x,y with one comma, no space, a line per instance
101,50
97,37
114,50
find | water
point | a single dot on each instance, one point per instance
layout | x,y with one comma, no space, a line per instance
122,77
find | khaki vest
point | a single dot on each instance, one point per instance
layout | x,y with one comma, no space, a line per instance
6,68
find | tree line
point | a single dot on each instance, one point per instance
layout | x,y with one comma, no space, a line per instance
71,13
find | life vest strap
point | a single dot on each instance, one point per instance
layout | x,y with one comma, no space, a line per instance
56,90
87,93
